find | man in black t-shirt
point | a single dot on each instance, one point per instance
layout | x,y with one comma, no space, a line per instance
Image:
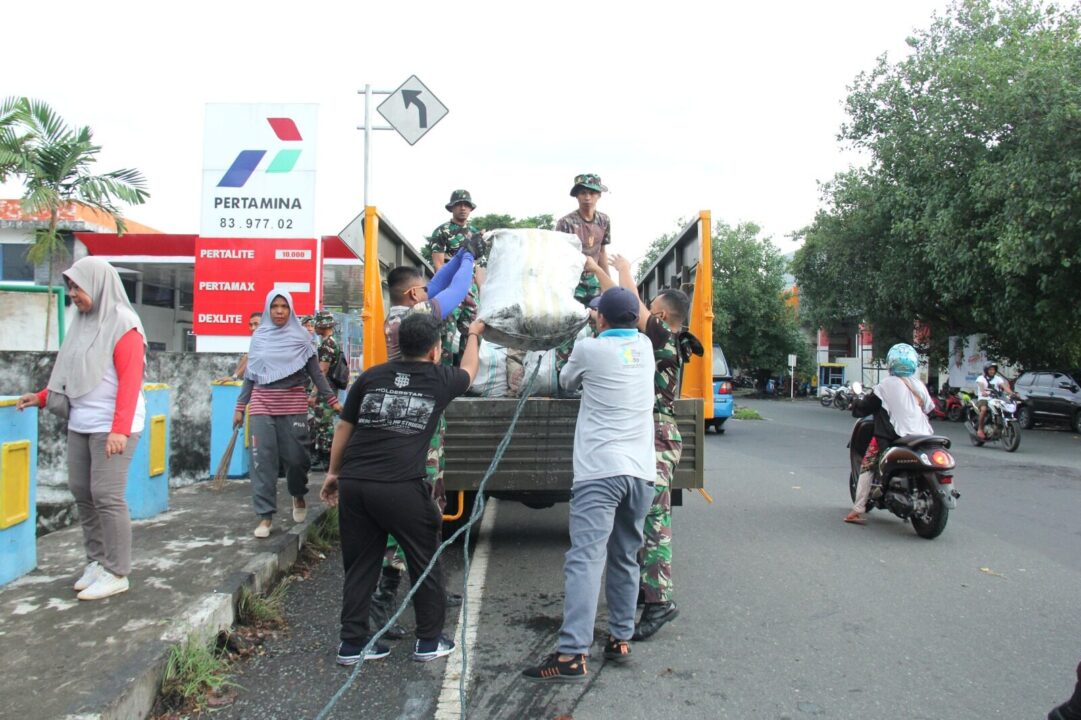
377,473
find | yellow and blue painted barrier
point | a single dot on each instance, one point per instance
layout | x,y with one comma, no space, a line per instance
18,489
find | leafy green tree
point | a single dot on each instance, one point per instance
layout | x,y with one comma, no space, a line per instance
752,323
54,162
968,217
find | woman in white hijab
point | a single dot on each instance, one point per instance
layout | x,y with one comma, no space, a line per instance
281,361
97,385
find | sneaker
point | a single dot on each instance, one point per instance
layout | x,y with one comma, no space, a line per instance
262,530
300,510
90,574
427,650
106,585
349,654
555,670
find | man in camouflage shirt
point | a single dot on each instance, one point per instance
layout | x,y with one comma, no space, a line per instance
321,416
668,311
593,228
444,244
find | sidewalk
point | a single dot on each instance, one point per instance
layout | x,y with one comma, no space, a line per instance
69,659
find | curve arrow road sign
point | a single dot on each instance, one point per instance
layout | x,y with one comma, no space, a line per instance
412,110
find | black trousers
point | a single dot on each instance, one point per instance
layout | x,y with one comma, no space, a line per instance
368,512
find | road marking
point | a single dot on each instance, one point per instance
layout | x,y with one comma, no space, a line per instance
449,705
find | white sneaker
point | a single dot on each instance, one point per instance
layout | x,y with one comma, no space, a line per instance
105,586
300,514
90,574
262,530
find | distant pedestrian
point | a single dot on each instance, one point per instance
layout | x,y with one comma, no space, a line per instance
322,415
253,323
379,452
614,472
96,384
280,362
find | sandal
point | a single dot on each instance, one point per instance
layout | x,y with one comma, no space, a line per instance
855,518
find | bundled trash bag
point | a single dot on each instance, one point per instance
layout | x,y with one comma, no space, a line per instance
491,380
528,300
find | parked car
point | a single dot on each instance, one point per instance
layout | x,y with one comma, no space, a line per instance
722,391
1050,396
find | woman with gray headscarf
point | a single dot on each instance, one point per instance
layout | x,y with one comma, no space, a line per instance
96,384
281,360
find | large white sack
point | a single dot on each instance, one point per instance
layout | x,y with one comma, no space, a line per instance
528,300
491,380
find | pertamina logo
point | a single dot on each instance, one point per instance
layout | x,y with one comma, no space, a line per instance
248,161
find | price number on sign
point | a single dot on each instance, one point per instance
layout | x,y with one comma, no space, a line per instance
256,223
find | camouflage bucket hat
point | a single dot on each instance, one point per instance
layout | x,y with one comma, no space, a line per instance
324,319
459,196
589,181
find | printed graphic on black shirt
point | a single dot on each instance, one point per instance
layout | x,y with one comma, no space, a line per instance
395,410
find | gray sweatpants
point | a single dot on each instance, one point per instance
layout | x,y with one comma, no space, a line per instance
275,437
98,484
606,519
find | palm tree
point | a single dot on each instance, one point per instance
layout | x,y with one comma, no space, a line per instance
54,162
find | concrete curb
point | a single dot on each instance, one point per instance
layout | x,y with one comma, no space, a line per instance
133,695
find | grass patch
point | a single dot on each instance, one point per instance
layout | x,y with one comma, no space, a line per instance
325,534
195,671
263,610
746,413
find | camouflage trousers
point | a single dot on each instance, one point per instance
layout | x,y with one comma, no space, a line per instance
655,557
433,470
588,288
321,429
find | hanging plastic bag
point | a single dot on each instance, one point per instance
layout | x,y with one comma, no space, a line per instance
528,298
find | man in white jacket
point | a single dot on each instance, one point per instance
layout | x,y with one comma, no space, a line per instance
614,469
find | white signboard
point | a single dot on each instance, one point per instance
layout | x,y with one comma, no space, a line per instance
412,110
259,171
791,361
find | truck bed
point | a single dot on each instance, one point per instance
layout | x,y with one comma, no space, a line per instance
538,459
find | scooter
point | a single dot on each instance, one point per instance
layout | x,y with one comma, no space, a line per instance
915,478
955,405
826,398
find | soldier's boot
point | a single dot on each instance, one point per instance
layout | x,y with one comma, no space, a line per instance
1071,709
383,604
653,618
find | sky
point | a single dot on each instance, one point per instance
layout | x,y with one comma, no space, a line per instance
678,106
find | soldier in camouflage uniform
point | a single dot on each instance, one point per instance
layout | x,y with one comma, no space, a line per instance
320,415
444,243
593,228
409,294
668,310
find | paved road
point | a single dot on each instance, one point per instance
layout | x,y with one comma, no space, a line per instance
786,611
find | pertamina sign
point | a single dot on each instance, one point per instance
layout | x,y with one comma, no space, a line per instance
234,275
259,171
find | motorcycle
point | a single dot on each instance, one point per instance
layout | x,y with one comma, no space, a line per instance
955,404
938,412
915,478
826,398
1001,423
846,396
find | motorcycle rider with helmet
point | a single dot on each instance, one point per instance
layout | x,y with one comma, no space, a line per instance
900,404
987,384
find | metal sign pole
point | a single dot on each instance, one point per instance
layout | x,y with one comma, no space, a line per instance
367,128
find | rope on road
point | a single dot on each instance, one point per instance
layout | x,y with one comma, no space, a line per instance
474,518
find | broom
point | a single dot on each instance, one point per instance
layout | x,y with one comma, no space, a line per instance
222,475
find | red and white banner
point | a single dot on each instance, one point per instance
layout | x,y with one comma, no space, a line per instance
233,276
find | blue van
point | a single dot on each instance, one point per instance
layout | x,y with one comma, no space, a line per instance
722,391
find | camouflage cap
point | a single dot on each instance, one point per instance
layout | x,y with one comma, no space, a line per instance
324,319
459,196
589,181
305,319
